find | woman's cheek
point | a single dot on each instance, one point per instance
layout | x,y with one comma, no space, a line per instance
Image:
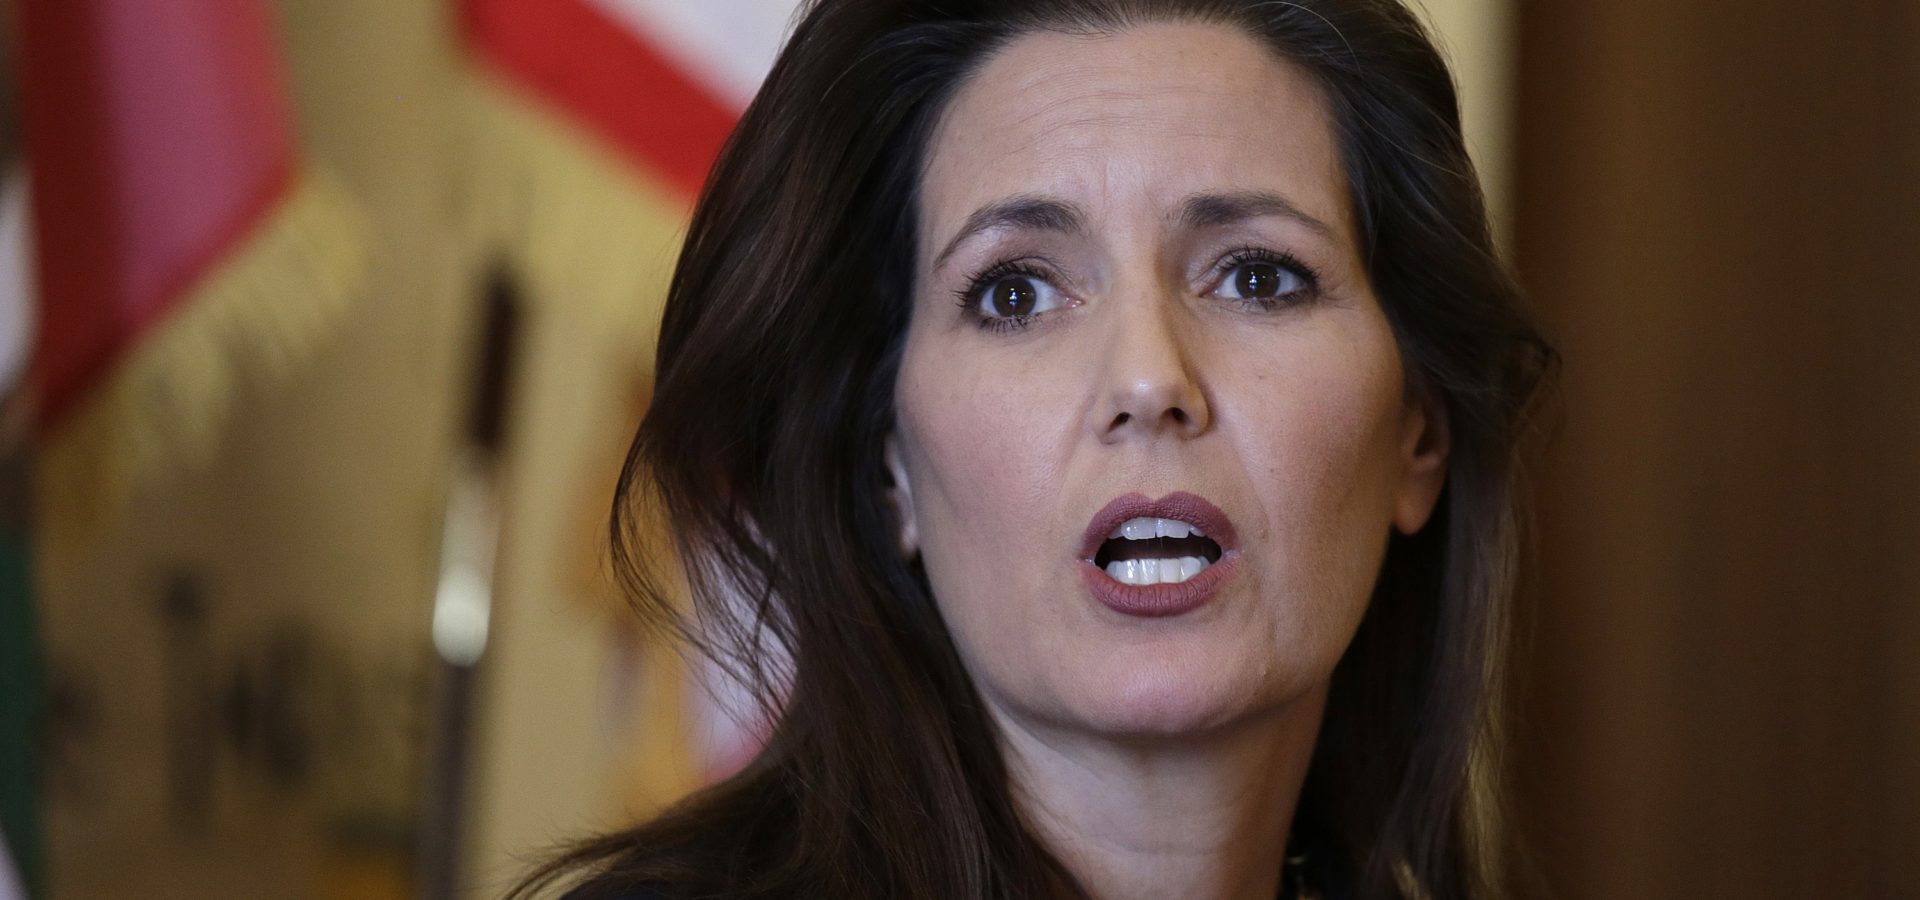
991,425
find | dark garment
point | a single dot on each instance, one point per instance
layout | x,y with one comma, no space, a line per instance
1305,875
1290,889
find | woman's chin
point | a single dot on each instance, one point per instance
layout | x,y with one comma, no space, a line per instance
1166,699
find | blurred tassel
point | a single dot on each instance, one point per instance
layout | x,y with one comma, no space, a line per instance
265,308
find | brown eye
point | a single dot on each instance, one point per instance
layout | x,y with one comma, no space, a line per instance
1258,280
1016,296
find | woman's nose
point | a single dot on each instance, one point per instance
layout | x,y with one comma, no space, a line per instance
1151,386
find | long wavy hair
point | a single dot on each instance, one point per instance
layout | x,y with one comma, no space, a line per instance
779,349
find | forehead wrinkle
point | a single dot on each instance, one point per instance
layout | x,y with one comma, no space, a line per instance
1083,100
1056,89
1100,84
1053,122
1097,126
1091,136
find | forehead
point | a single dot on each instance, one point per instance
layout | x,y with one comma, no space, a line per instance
1131,122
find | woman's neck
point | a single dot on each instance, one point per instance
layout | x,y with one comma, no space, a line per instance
1204,817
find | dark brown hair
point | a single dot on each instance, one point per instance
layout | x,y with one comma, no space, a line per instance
773,395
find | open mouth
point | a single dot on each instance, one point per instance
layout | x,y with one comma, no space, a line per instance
1148,550
1158,558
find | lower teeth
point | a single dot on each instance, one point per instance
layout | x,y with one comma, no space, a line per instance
1155,571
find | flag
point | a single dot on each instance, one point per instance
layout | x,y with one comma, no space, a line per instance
185,251
593,126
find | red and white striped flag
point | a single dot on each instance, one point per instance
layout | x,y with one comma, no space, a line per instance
594,125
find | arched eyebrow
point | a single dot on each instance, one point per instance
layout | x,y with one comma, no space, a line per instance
1214,210
1029,212
1033,212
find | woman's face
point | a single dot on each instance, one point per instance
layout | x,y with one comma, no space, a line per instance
1140,310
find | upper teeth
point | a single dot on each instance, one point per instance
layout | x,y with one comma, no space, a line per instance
1145,528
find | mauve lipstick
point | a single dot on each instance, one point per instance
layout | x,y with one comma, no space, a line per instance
1160,600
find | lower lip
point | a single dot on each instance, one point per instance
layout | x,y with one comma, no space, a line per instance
1156,601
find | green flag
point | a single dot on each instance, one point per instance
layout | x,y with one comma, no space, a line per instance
20,689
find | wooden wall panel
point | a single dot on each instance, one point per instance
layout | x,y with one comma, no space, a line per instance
1718,218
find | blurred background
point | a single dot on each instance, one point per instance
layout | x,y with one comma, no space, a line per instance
324,323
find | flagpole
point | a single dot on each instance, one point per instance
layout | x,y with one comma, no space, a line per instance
463,600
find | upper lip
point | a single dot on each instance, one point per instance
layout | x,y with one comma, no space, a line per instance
1192,509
